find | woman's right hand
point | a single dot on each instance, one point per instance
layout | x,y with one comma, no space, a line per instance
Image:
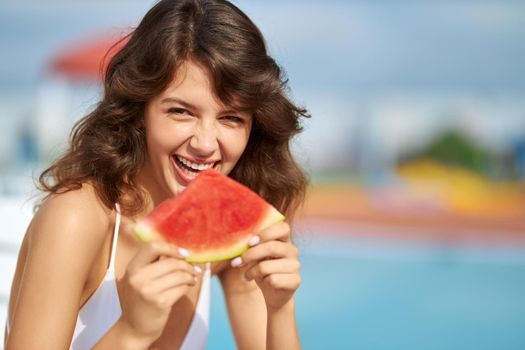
155,279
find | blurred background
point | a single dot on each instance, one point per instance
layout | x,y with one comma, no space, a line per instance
413,231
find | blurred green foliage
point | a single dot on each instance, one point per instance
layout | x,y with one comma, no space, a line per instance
456,149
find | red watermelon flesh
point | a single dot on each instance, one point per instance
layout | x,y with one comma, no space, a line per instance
213,218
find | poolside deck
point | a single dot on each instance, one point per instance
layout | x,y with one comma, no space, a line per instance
342,206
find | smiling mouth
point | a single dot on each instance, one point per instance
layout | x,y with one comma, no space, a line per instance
191,169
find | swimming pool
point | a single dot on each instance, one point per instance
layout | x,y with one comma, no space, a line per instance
370,294
367,292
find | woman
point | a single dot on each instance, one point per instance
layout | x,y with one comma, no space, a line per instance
193,88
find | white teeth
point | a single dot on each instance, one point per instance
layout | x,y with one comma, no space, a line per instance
195,166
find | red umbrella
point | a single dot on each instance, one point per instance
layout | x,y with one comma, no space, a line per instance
87,59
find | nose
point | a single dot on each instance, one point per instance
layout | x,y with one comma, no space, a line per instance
204,140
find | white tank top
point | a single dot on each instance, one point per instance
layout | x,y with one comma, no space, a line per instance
102,309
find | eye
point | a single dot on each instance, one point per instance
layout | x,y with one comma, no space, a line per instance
178,110
234,119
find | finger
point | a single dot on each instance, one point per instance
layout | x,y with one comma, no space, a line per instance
279,231
274,266
170,296
166,266
267,250
153,251
283,281
176,280
169,281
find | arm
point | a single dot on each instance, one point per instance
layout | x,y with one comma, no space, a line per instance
259,292
155,279
63,240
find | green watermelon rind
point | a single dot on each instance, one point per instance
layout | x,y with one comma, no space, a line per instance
273,216
146,233
215,255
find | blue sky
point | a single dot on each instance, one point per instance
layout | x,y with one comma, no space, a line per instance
351,45
399,69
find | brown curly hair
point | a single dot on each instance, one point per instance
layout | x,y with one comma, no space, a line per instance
107,147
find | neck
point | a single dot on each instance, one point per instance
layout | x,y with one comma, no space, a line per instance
153,195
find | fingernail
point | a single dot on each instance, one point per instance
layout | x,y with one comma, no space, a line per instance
197,269
236,262
254,240
184,252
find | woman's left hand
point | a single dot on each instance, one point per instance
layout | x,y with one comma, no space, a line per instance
272,262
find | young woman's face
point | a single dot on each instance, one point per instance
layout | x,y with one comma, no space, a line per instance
188,130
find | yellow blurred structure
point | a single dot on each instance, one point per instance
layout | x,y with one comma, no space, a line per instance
462,190
436,201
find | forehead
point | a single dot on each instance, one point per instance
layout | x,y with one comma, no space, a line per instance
189,77
192,83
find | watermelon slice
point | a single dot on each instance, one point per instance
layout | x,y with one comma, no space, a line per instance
213,218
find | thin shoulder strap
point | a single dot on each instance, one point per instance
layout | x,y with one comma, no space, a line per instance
115,238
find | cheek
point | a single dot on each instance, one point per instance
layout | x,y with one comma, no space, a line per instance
246,137
238,142
154,140
166,136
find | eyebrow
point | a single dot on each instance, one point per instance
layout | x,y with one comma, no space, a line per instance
169,100
188,105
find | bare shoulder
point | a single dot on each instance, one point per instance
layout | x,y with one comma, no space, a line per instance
74,225
70,215
70,226
61,244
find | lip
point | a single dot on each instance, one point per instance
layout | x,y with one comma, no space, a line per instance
182,174
196,160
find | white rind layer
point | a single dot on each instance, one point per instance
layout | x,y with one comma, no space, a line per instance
272,216
147,234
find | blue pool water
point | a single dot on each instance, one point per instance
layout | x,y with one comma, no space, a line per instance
373,295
